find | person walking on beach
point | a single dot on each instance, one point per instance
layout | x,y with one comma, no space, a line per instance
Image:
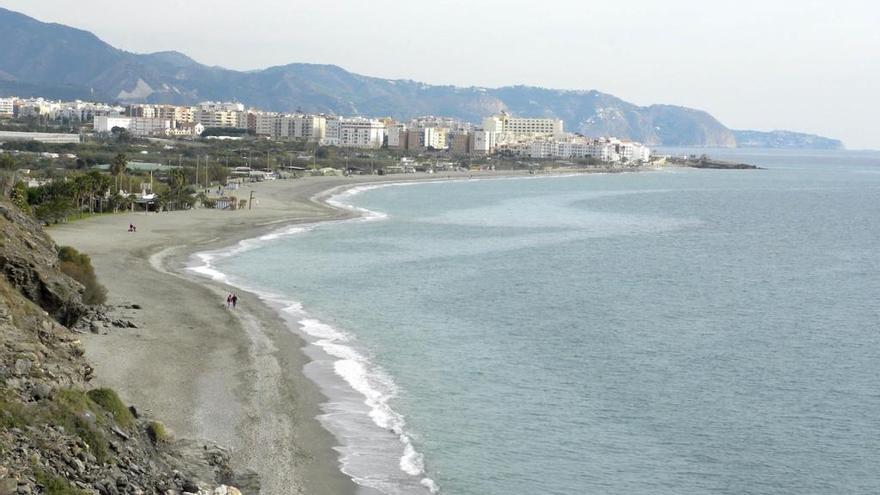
234,300
228,301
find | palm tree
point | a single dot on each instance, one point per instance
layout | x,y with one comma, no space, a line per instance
117,167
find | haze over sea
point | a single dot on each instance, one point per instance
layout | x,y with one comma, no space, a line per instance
680,331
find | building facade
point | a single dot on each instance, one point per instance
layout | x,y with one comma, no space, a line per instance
354,133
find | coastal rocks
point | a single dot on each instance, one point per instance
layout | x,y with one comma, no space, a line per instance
29,261
102,319
56,435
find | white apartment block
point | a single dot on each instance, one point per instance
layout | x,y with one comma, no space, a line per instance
220,118
7,107
434,137
137,126
141,126
311,127
354,133
176,114
106,123
396,135
483,142
38,107
606,150
278,126
513,128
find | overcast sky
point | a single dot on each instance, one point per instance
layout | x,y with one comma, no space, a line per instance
805,65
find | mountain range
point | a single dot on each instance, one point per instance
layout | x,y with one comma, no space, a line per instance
58,61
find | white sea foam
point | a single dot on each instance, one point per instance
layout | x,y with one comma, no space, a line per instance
353,367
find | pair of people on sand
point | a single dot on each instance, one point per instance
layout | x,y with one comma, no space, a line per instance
231,301
132,228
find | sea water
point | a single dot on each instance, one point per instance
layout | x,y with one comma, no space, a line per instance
676,331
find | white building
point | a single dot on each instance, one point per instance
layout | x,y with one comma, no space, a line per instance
435,137
507,128
137,126
396,135
106,123
280,126
229,119
605,149
483,142
354,133
7,107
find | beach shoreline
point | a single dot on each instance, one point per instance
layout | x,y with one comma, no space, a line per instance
231,377
234,377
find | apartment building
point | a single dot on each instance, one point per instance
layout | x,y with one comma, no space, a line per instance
106,123
512,128
605,149
483,142
354,132
460,144
220,118
279,126
7,107
137,126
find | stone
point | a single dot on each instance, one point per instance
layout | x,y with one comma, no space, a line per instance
190,486
40,391
8,486
22,366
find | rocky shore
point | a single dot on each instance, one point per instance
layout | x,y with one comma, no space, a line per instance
58,434
711,163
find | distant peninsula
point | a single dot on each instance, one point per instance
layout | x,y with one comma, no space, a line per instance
785,140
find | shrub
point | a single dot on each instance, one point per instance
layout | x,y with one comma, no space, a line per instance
157,432
78,266
110,402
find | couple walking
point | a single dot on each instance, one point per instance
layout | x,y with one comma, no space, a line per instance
231,301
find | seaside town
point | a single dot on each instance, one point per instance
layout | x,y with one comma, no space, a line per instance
502,134
157,157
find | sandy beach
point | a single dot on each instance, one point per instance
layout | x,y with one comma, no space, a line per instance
233,377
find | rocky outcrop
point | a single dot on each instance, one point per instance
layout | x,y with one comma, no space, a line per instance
57,434
29,261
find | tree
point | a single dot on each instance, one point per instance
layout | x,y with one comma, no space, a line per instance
117,167
121,134
19,196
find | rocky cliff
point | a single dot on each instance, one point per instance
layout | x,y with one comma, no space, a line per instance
57,434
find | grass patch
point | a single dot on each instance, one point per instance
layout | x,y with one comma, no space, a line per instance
55,485
71,409
13,414
78,414
110,401
157,432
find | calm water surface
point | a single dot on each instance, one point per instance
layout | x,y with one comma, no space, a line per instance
668,332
